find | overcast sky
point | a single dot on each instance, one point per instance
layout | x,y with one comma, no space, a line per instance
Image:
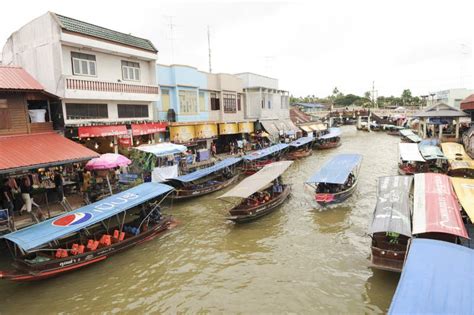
310,46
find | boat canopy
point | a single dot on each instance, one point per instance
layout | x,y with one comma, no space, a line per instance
162,149
265,152
464,188
54,228
432,152
392,212
333,133
408,133
301,141
410,152
436,208
258,181
430,141
208,170
455,151
336,170
437,279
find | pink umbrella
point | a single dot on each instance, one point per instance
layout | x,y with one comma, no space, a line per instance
107,161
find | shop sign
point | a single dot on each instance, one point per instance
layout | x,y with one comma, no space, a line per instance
146,129
182,134
246,127
228,129
101,131
125,142
206,131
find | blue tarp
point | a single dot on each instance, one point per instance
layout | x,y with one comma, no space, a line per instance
301,141
52,229
209,170
438,278
333,132
264,152
336,170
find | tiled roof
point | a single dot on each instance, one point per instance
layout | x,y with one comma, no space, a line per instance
76,26
16,78
469,99
440,110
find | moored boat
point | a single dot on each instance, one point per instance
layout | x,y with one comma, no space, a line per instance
86,236
393,130
330,140
390,229
337,179
409,136
259,194
300,148
460,164
411,161
255,161
436,161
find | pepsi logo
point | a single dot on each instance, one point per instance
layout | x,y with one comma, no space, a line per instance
72,219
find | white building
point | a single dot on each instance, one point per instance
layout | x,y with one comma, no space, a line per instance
451,97
103,76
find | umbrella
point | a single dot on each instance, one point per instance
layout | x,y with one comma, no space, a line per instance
108,161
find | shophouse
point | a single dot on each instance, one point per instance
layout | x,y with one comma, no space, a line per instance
106,79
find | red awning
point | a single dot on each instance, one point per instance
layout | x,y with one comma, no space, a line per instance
40,150
146,129
101,131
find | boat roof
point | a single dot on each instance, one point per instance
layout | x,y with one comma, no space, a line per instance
258,181
162,149
408,133
265,152
429,141
55,228
410,152
301,141
333,132
436,209
464,188
336,170
208,170
432,152
455,151
392,212
437,278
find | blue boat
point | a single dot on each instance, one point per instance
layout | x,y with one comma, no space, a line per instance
337,179
330,140
255,161
300,148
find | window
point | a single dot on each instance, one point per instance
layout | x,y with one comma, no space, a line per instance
239,102
5,120
165,100
202,103
83,64
269,104
188,102
86,111
230,103
215,102
132,111
130,71
263,104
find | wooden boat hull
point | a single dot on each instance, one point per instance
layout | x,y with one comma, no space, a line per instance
326,199
329,145
261,210
298,154
393,133
252,168
388,260
186,194
32,272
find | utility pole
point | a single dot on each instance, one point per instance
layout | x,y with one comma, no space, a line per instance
374,98
209,47
171,38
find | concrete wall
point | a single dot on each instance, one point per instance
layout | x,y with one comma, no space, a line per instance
452,97
255,80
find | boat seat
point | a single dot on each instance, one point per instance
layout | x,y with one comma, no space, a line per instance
74,249
80,249
61,253
121,236
105,240
92,245
116,234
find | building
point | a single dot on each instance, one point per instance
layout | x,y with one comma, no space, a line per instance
452,97
106,79
310,107
467,105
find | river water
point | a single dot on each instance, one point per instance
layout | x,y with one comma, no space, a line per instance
299,259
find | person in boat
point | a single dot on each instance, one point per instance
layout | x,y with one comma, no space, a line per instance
252,200
277,188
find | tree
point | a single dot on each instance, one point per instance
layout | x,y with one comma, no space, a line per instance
406,97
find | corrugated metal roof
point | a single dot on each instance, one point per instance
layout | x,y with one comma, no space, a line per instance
16,78
85,28
39,150
440,110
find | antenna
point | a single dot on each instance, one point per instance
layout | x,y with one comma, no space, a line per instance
171,36
209,47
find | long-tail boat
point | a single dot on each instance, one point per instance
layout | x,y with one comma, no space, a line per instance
460,164
89,234
330,140
390,229
259,194
255,161
411,161
409,136
436,161
206,180
300,148
336,180
464,189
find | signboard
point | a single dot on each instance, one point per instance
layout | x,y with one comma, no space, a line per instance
228,129
101,131
125,142
180,134
246,127
205,131
146,129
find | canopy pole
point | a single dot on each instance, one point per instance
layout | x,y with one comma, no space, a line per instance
108,183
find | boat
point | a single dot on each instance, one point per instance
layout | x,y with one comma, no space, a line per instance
460,164
436,211
337,179
88,235
390,229
330,140
255,161
207,180
393,130
464,189
259,194
409,136
436,161
300,148
411,161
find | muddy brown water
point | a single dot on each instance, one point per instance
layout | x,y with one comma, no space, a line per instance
300,259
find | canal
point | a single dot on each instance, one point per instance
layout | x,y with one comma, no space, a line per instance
299,259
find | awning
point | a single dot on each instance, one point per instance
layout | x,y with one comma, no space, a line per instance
436,209
146,129
464,188
437,278
101,131
301,141
336,170
162,149
306,128
270,127
52,229
265,152
333,133
258,180
432,152
392,212
40,150
290,126
410,152
318,127
207,171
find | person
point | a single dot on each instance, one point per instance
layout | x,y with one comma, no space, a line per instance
59,183
240,146
213,149
231,148
6,196
26,190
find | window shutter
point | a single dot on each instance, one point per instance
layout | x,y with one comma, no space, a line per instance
137,74
91,67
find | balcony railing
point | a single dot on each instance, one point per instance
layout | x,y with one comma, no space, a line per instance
101,86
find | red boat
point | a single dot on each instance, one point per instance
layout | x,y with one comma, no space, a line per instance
300,148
